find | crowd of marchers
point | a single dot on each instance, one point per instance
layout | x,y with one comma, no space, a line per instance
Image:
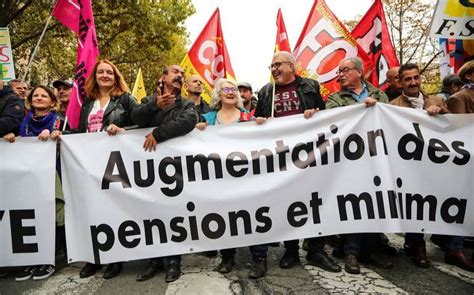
110,107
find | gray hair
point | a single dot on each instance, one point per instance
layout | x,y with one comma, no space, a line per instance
216,103
287,55
357,62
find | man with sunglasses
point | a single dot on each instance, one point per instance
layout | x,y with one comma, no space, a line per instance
293,95
354,90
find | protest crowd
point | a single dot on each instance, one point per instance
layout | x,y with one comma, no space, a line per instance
109,107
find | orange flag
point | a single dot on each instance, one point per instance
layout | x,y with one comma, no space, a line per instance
208,57
282,42
323,43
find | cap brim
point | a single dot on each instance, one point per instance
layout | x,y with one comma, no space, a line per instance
58,83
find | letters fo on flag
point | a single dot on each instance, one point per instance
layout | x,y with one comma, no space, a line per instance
282,43
139,87
453,19
323,43
373,36
208,57
77,15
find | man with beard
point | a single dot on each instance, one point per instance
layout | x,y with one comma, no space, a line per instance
172,116
64,88
412,97
193,87
249,101
355,90
293,95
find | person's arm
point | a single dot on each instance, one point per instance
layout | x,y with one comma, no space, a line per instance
12,115
332,102
179,125
259,110
143,114
319,103
457,104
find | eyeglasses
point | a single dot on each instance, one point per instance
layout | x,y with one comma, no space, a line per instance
277,65
344,70
227,90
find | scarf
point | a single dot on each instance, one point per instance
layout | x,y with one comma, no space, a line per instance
416,102
33,125
468,86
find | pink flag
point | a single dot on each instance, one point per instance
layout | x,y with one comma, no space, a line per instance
67,13
87,49
86,59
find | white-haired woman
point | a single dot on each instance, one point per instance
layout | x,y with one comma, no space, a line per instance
228,109
226,104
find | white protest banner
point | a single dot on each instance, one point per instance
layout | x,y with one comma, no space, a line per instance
7,69
453,19
353,169
27,212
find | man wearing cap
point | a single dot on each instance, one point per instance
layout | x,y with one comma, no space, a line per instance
64,88
462,102
291,95
451,84
249,101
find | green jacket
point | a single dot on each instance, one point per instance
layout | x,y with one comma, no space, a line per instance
344,97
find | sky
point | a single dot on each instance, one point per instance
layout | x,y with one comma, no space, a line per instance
249,29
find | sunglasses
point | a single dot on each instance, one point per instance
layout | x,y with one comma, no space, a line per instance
227,90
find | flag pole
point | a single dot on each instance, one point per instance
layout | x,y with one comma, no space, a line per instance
428,31
273,98
36,49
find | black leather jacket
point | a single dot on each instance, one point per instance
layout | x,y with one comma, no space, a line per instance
118,112
306,89
177,120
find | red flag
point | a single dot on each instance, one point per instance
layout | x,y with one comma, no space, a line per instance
67,13
282,42
208,57
323,43
77,15
372,35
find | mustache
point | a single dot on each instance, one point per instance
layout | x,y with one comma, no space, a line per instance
178,79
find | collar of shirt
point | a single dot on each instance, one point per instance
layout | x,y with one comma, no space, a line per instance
363,95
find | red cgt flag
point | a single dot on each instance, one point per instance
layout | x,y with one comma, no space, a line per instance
282,42
323,43
208,57
372,35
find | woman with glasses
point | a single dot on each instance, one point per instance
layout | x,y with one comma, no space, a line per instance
226,104
228,109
